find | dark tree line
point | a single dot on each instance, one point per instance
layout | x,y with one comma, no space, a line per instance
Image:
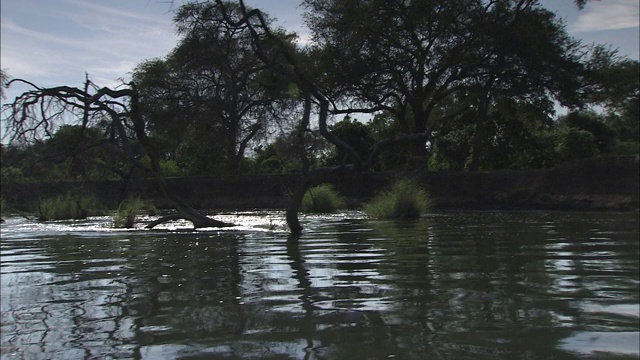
455,85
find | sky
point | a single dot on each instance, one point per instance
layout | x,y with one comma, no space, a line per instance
55,42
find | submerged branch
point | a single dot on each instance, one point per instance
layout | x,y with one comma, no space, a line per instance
200,222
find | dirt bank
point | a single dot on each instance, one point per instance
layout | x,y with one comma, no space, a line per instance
603,183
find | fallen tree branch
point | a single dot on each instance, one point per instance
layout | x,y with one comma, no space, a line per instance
200,223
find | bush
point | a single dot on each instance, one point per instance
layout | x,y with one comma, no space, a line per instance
68,207
574,144
3,207
169,168
128,210
322,199
405,200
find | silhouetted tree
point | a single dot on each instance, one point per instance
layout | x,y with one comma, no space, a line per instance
428,62
211,96
39,112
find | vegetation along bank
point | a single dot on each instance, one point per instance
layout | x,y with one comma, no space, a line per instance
603,183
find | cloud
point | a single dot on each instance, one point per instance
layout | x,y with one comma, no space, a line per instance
608,15
101,12
34,55
85,37
24,34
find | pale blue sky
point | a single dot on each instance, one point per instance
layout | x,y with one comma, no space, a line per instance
54,42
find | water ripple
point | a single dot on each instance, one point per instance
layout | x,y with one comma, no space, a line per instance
452,285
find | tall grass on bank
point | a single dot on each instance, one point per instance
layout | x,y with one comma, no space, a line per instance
128,209
322,199
405,200
68,207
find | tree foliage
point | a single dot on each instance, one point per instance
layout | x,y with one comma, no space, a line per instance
211,96
428,62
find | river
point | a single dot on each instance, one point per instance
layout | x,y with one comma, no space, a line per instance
453,285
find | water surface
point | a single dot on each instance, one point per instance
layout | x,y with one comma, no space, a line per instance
464,285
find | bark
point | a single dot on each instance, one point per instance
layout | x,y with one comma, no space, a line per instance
477,143
479,134
197,221
294,206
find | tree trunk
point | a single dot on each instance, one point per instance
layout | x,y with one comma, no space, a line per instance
419,145
479,135
294,205
198,220
476,146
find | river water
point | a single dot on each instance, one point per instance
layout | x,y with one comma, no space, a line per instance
458,285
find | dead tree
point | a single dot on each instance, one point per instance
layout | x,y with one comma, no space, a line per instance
39,112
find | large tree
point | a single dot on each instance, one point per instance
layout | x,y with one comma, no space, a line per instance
211,96
414,58
288,63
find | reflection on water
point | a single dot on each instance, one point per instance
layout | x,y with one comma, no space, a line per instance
451,286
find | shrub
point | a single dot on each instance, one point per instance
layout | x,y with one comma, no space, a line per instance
3,207
322,199
405,200
68,207
169,168
574,144
128,210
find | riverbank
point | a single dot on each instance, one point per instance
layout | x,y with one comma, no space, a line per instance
603,183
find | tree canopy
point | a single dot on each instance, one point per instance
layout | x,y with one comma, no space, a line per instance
211,96
427,62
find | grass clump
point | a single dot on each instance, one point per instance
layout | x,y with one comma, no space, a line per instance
128,210
405,200
68,207
322,199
